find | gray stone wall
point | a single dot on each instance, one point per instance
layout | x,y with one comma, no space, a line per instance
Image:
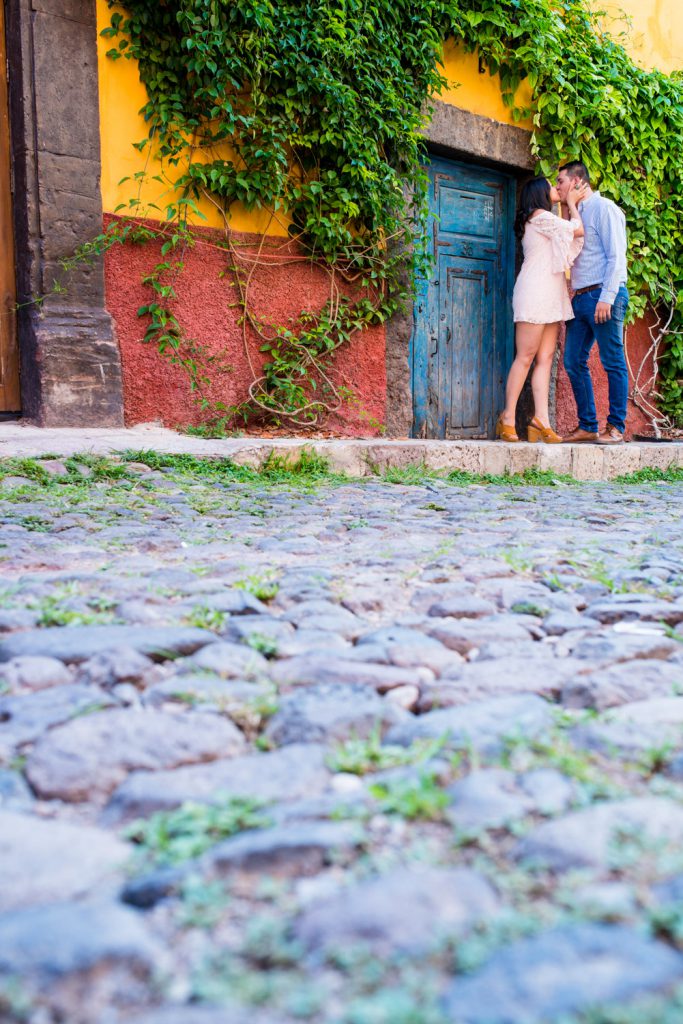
70,363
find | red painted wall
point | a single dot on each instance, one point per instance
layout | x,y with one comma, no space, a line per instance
155,390
637,345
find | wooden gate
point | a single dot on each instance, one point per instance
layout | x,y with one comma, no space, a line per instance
9,349
463,339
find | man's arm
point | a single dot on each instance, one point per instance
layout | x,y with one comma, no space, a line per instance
613,238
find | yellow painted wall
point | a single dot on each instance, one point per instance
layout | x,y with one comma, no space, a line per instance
655,39
654,30
475,90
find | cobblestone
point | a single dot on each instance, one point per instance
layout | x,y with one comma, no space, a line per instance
357,752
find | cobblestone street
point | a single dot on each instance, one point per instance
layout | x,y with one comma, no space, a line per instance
283,746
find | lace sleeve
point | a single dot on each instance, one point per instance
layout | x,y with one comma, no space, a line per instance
564,247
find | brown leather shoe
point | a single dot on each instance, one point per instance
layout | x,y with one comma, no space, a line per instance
610,435
580,436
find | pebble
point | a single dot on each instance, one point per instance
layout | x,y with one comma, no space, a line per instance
561,972
89,757
593,836
45,860
329,713
405,910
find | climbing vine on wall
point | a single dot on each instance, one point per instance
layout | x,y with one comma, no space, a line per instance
313,110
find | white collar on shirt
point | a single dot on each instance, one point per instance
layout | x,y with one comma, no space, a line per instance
584,202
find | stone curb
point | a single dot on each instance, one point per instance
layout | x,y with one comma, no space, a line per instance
358,457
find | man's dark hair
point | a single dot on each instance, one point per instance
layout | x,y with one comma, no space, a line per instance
575,169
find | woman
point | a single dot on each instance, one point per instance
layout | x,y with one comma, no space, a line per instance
540,300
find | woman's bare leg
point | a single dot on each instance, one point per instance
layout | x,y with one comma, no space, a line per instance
528,338
540,378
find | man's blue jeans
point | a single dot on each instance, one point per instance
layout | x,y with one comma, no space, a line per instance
582,333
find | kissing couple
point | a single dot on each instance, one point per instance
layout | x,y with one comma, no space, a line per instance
590,240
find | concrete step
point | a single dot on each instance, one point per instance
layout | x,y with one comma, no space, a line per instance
356,456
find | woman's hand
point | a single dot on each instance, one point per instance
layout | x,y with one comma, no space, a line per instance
576,195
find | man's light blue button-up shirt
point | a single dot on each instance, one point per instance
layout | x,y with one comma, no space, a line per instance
603,257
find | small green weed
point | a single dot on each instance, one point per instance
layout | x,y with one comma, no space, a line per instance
652,474
16,1004
667,922
213,429
655,758
393,1005
202,903
305,470
666,1009
203,617
517,560
360,756
264,644
171,837
556,751
411,475
35,524
268,944
262,586
308,467
412,798
52,612
529,608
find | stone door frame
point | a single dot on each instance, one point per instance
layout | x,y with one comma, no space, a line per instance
459,135
70,361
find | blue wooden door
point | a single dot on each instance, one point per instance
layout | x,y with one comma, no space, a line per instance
463,338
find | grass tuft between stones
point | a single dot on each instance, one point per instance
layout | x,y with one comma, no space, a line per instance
362,755
172,837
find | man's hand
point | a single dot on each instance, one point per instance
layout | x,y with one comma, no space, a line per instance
603,312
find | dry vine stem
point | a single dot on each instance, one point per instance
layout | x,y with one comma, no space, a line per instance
642,394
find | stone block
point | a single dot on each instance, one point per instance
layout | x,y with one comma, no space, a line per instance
76,129
522,456
621,459
495,457
396,454
79,370
344,457
73,10
464,132
555,457
450,455
252,456
588,461
659,456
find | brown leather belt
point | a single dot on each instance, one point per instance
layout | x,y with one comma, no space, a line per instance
589,288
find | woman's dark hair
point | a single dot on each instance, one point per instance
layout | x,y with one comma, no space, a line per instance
535,195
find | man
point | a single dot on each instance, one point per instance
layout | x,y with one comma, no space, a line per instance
598,278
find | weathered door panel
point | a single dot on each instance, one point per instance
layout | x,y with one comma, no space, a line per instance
462,341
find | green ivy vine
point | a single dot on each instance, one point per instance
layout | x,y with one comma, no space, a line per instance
323,104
